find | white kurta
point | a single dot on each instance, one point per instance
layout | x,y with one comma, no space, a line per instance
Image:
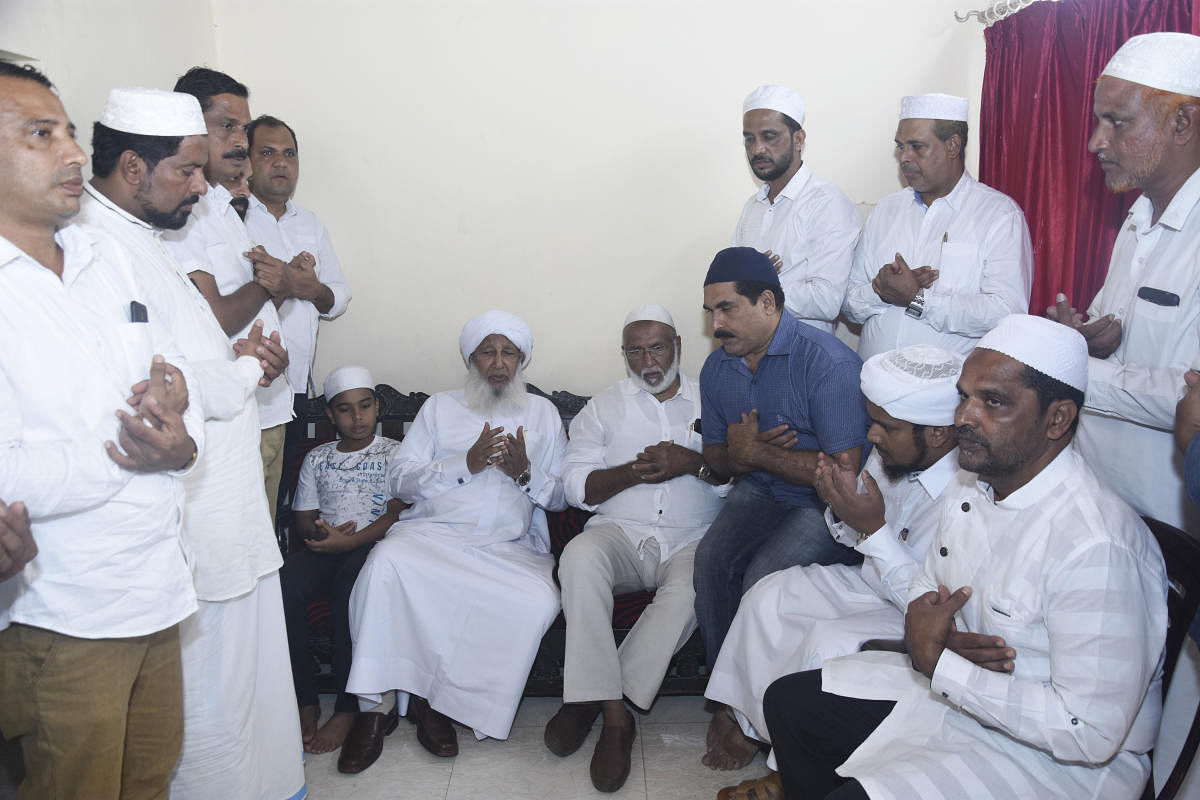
452,604
813,228
213,241
241,736
975,236
299,230
795,619
1073,581
1125,431
110,561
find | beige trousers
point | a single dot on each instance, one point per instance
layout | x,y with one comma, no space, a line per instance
270,446
597,564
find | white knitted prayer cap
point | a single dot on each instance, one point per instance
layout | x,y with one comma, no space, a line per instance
776,98
915,384
153,112
934,106
1167,61
1049,347
345,378
650,313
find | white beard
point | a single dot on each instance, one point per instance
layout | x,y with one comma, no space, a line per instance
487,401
669,376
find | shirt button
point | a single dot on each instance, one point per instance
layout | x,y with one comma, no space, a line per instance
1074,721
945,695
944,552
966,506
460,480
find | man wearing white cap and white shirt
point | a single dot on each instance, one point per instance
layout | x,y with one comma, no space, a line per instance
943,260
1036,629
450,607
804,222
633,458
216,252
796,618
1143,323
89,635
239,740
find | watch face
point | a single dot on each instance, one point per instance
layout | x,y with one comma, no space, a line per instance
523,478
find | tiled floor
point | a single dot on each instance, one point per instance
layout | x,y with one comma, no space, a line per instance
666,763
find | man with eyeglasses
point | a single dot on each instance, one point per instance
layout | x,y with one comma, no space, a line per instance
634,459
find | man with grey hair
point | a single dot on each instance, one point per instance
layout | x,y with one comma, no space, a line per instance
1034,551
634,459
803,222
451,605
1141,331
968,244
796,618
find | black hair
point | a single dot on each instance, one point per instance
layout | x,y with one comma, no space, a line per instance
943,129
204,83
270,122
1049,390
752,290
108,144
25,72
792,125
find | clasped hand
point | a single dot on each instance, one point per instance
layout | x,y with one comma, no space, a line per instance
506,452
897,284
929,629
154,439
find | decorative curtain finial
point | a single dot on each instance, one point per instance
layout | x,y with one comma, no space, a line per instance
996,11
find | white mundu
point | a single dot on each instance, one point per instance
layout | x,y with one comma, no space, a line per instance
795,619
975,236
452,604
813,228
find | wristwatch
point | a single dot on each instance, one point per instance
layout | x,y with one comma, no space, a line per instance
916,306
705,471
523,479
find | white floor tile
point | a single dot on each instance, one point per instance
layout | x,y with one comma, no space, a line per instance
673,769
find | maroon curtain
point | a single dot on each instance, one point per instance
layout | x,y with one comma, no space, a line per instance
1036,116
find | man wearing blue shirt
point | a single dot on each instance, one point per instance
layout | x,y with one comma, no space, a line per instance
774,395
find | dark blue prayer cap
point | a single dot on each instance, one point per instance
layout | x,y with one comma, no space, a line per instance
741,264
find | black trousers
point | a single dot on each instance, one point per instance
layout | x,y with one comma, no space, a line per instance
305,576
813,732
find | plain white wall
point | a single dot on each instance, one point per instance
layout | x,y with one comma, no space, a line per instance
562,159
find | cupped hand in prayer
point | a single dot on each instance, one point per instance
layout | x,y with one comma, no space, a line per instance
837,484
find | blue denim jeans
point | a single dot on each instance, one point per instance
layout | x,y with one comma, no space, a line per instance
753,536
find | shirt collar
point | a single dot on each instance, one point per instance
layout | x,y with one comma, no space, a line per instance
218,194
79,249
793,188
289,209
1178,210
104,200
957,196
935,478
1040,485
685,390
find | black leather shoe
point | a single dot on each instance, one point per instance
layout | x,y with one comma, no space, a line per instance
364,743
610,761
567,729
435,731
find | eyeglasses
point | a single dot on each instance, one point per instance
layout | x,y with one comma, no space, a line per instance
637,353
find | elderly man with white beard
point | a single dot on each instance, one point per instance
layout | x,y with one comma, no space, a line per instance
451,605
634,459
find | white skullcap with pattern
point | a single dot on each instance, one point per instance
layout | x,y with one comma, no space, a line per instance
916,384
1049,347
776,98
1167,61
934,106
650,313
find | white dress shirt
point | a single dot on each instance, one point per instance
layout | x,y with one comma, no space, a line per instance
213,241
1125,431
813,228
110,560
611,430
978,240
297,230
1073,581
226,526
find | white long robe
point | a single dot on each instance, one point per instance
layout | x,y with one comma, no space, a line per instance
452,604
794,619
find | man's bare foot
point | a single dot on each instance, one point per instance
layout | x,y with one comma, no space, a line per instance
728,747
309,716
332,733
